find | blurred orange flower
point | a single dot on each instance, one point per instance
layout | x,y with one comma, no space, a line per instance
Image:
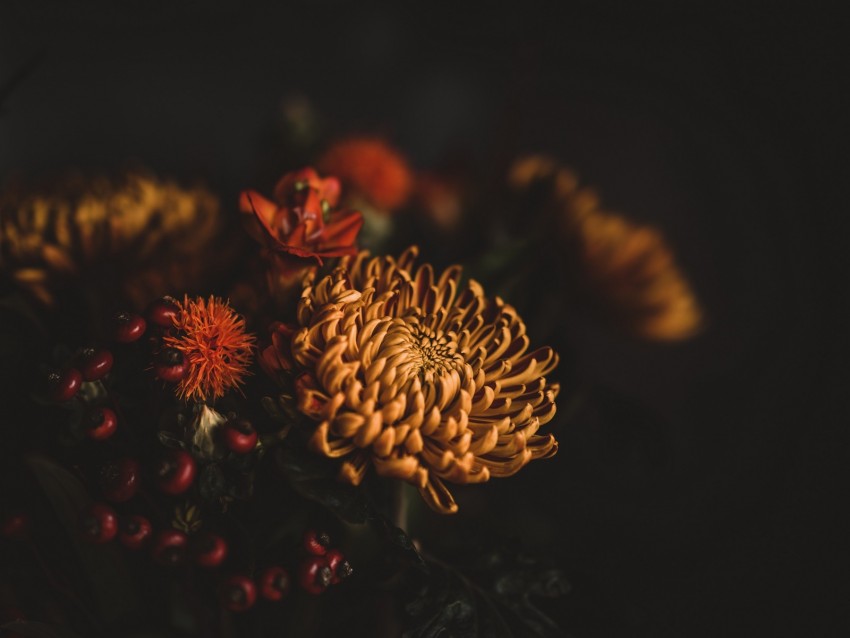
625,270
632,273
441,199
301,226
154,235
371,168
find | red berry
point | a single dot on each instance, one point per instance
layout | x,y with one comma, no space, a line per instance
240,436
171,365
314,575
120,480
210,550
162,312
238,593
316,543
15,525
274,583
95,364
99,523
134,531
100,423
175,472
170,547
340,568
64,385
129,327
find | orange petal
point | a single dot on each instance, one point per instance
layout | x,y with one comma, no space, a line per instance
438,496
341,231
354,468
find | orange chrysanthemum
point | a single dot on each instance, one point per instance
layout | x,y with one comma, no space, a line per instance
417,375
371,168
218,351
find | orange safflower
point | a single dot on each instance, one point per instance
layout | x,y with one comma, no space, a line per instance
218,351
371,168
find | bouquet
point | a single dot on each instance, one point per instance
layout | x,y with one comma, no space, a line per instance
256,419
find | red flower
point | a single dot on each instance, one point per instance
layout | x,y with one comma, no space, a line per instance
303,224
371,168
276,359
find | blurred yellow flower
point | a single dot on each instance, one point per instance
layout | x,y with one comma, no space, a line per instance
137,230
626,270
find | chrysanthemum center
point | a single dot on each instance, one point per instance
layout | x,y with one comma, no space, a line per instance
431,353
417,351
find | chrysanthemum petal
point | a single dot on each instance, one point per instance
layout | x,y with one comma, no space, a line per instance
429,382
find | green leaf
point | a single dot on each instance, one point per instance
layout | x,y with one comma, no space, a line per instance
104,569
515,581
399,541
314,478
448,604
212,483
495,597
170,440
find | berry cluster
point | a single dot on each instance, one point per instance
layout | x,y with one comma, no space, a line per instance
323,566
139,477
82,384
170,363
319,568
92,365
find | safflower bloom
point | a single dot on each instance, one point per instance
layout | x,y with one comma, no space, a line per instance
302,225
213,340
371,168
414,374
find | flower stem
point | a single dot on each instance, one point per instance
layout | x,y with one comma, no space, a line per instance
400,506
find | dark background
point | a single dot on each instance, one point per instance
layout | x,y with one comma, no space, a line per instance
711,501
